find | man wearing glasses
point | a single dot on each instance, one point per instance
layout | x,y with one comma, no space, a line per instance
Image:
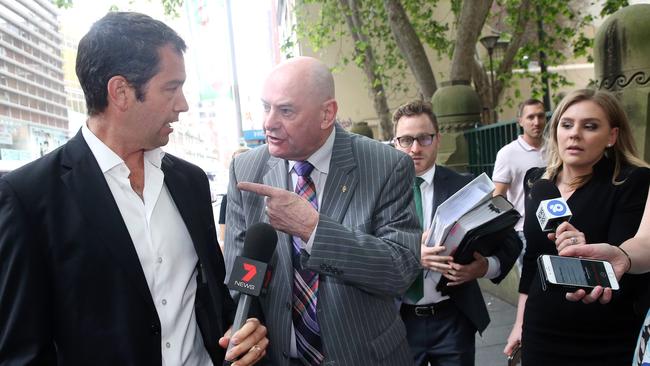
441,325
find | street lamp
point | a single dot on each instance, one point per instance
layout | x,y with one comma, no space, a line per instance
490,42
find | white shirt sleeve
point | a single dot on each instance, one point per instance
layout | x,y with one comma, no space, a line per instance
494,268
502,172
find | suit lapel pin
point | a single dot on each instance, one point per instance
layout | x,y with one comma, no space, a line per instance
344,189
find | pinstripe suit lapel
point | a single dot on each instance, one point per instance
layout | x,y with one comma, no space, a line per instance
342,178
277,176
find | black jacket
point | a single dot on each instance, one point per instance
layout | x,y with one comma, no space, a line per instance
72,290
468,297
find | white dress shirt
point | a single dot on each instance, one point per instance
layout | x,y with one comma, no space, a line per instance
321,162
164,248
431,278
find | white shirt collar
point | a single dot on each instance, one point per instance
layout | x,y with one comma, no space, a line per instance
428,175
320,159
108,159
524,145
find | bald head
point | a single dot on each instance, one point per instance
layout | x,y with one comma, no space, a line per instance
313,75
299,107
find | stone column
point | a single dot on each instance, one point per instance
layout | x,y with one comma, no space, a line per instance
458,108
622,66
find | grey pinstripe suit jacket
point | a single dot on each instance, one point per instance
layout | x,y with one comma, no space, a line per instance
366,249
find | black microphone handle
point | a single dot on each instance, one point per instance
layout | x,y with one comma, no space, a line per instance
240,318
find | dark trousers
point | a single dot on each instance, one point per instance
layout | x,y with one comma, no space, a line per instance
445,338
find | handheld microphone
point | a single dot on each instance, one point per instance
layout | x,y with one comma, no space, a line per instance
249,270
553,209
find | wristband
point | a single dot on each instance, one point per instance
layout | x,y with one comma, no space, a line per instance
629,260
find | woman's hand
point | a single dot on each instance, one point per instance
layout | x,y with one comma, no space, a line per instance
514,339
600,251
566,235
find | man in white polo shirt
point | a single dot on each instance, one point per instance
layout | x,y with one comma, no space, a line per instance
516,158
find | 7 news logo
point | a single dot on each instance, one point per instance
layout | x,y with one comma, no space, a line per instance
247,276
251,271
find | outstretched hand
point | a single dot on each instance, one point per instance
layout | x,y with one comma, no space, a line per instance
287,211
600,251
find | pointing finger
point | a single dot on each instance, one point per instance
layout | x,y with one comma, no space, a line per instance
260,189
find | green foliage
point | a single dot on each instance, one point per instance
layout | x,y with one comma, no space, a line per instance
431,32
611,6
329,27
564,23
323,23
63,4
170,6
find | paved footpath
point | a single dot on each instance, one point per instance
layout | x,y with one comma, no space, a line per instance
489,347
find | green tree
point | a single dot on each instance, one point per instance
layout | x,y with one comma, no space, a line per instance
170,6
372,25
394,33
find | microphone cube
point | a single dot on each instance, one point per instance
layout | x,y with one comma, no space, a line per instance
247,276
551,213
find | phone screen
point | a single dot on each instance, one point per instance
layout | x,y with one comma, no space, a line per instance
579,272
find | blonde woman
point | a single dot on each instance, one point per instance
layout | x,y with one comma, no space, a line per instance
633,256
593,162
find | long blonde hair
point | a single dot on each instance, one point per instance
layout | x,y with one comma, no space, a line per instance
623,152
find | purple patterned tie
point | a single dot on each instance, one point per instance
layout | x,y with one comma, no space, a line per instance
305,283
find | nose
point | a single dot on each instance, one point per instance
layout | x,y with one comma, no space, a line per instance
269,120
416,147
574,132
181,104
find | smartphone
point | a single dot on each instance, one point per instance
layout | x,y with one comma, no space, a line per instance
515,357
575,273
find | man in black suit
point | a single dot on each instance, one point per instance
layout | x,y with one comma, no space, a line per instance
441,325
108,250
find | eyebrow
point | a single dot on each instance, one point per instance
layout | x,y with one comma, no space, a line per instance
174,83
280,105
583,120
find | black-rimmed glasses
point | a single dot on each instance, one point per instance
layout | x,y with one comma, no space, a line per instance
423,140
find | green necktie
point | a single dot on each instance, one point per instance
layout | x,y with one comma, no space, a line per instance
416,291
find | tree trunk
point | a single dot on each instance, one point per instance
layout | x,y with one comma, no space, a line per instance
411,46
519,38
482,87
470,23
376,85
480,74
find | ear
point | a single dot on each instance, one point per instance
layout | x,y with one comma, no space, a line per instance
119,92
520,121
613,136
328,114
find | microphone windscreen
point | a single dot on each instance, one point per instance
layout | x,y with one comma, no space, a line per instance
544,189
260,242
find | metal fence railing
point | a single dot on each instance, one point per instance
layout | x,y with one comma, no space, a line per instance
484,143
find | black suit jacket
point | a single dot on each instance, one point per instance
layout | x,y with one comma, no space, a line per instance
72,290
468,297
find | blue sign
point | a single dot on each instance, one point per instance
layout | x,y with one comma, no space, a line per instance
556,207
254,135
